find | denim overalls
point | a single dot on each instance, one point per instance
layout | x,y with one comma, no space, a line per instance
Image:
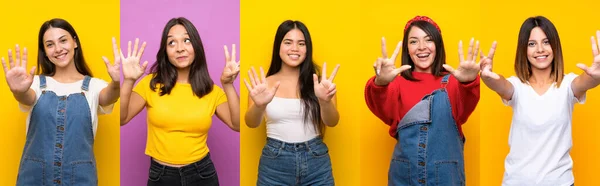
429,149
60,140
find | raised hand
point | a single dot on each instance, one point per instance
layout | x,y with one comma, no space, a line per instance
468,69
132,70
486,63
594,69
17,77
232,67
385,69
325,90
259,90
113,70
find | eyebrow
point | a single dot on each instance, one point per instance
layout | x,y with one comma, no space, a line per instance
418,38
58,38
168,36
293,40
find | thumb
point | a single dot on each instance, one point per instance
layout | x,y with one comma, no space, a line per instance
276,86
401,69
583,67
144,65
449,68
32,71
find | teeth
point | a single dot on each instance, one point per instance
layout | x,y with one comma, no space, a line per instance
294,56
61,56
422,55
542,57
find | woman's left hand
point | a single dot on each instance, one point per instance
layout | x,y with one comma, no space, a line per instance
468,69
594,70
232,67
325,90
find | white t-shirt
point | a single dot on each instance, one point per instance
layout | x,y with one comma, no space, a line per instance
285,121
540,135
63,89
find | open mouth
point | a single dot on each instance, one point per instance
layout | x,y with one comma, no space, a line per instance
542,57
294,56
61,56
423,56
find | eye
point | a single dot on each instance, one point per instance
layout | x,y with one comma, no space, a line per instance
412,42
49,45
302,44
171,43
546,42
530,44
63,41
287,42
188,40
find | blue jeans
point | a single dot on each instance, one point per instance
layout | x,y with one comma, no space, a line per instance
202,172
305,163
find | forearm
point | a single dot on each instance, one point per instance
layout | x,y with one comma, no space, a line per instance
329,113
254,116
583,83
26,98
125,91
110,94
233,101
501,86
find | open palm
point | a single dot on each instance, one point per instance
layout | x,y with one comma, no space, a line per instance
17,77
594,69
132,70
325,89
260,92
467,69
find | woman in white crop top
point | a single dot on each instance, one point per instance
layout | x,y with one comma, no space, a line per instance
542,98
297,106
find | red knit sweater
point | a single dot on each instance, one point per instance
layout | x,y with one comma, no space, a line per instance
390,103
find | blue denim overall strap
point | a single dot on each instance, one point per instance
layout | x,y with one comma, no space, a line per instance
430,148
59,143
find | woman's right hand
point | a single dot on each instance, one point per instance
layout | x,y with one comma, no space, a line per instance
260,92
17,77
131,64
385,68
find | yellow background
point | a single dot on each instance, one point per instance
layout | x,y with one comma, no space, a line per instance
334,29
388,18
95,23
576,23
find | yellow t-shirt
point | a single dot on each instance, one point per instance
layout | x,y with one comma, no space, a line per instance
178,123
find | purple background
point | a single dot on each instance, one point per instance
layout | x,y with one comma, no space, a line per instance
218,24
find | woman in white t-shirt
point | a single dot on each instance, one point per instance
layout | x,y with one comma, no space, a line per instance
63,102
542,98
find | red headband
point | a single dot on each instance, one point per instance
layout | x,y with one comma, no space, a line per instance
422,18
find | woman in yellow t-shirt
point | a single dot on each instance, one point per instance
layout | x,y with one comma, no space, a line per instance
180,99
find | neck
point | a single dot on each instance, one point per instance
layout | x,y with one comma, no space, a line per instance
288,71
541,76
67,74
183,75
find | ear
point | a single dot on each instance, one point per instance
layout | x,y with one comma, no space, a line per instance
75,39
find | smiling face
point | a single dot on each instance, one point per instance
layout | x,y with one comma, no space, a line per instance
180,50
421,49
539,50
59,46
293,48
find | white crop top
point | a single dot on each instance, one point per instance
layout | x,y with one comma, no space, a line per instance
284,118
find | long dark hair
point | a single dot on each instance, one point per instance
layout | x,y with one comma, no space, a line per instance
45,66
440,53
312,110
522,65
165,73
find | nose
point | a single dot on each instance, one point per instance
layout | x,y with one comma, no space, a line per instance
539,49
179,47
421,46
295,47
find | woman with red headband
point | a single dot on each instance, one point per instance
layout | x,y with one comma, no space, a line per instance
542,98
426,107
